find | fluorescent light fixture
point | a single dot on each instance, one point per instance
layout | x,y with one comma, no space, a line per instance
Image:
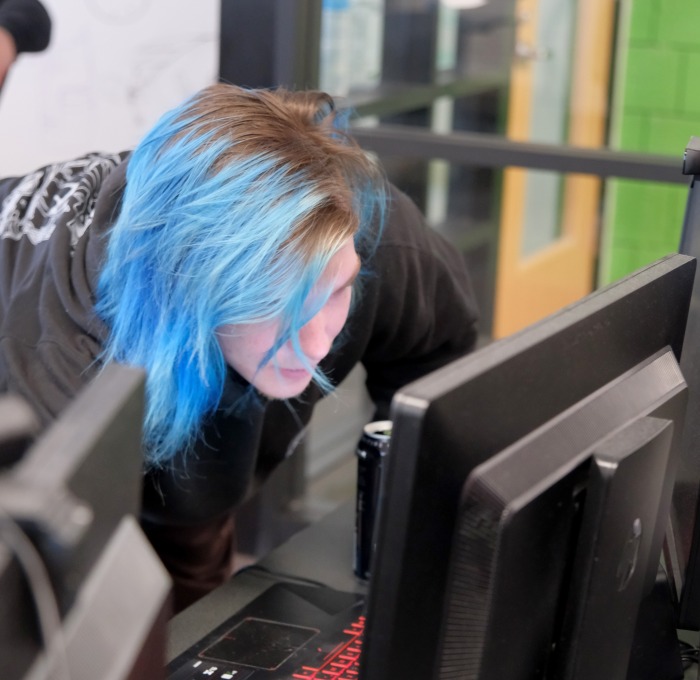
463,4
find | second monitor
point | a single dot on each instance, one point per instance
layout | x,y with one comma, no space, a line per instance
528,489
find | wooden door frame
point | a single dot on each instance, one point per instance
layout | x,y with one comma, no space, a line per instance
531,287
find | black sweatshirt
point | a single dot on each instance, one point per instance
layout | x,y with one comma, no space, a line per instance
416,313
28,22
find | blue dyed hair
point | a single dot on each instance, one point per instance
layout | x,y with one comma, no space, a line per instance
234,204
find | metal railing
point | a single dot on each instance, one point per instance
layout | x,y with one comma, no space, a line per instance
496,151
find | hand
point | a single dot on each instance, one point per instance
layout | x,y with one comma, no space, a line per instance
8,53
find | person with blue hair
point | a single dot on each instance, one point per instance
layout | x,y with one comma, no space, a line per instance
247,254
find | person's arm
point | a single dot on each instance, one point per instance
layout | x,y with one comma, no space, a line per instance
25,26
424,307
188,504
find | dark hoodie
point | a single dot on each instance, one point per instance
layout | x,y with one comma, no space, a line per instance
416,313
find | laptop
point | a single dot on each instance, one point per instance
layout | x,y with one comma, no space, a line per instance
291,630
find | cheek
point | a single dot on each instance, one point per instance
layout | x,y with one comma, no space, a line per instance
227,342
246,346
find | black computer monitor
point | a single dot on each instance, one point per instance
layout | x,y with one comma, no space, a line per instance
511,473
684,559
82,593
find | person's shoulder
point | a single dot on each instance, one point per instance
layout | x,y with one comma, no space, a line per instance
400,204
407,231
404,222
64,193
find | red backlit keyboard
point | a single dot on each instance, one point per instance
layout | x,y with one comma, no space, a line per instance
342,663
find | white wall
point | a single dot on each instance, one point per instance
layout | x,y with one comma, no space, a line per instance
112,68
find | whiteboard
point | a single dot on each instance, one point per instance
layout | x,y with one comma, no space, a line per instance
113,67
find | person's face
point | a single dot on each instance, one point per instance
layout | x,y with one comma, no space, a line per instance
245,345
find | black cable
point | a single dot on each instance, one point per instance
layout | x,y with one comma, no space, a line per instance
48,614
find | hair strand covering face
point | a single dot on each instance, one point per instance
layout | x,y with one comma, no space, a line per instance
234,204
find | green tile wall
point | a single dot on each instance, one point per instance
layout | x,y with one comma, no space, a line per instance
656,110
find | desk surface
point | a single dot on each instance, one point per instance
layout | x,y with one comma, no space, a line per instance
322,552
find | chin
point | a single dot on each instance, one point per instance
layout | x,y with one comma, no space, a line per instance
279,388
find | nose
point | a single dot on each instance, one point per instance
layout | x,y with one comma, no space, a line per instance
316,337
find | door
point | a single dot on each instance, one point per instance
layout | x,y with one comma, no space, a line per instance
549,221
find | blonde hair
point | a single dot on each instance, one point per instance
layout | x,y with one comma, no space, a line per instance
300,130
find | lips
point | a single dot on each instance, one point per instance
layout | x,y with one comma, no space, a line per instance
294,371
298,369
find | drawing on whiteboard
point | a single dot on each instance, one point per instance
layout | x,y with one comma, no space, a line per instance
112,70
165,68
122,12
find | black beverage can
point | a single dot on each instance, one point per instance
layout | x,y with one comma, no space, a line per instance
372,450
